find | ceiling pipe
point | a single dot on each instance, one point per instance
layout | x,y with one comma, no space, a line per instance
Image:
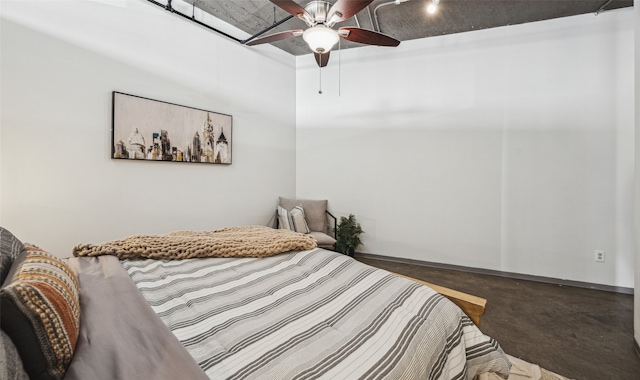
375,11
266,29
602,8
169,8
355,18
371,19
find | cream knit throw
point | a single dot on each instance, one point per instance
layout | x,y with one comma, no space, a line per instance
249,241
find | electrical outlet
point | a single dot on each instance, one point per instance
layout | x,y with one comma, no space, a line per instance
599,258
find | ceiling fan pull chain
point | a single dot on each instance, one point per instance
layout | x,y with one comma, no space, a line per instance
339,65
320,86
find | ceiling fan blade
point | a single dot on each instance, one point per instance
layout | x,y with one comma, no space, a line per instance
368,37
291,7
345,9
275,37
322,59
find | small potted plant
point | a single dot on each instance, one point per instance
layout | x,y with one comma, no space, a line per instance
348,235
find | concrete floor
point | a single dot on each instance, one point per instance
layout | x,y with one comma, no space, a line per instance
582,334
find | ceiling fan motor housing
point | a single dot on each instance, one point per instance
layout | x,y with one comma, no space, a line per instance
318,13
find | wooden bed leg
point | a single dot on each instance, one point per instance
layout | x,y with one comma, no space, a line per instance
472,305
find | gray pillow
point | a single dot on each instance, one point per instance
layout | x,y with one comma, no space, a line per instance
314,211
10,249
10,363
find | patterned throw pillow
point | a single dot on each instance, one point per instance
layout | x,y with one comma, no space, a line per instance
293,220
297,220
314,211
283,219
10,250
41,313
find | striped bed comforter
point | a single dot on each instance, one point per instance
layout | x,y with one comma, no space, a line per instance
312,314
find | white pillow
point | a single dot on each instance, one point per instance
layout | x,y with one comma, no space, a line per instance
283,219
293,220
297,222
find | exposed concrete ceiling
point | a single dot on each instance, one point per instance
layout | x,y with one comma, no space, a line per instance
406,20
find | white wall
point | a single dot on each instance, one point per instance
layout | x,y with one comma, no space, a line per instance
508,149
61,60
636,310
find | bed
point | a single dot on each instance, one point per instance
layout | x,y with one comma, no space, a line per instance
298,314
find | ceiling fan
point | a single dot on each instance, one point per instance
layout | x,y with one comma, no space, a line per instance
321,16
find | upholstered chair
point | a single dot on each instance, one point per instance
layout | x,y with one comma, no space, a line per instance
321,223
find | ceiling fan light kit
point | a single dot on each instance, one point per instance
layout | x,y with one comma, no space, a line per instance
321,39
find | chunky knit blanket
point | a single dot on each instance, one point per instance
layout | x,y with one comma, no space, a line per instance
249,241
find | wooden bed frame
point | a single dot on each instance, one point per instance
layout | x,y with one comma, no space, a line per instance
472,306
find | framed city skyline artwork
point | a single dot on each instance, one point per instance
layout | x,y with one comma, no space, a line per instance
151,130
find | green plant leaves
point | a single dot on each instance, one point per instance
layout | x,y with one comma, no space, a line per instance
348,235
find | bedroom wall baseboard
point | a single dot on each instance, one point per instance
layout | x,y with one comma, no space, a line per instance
518,276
